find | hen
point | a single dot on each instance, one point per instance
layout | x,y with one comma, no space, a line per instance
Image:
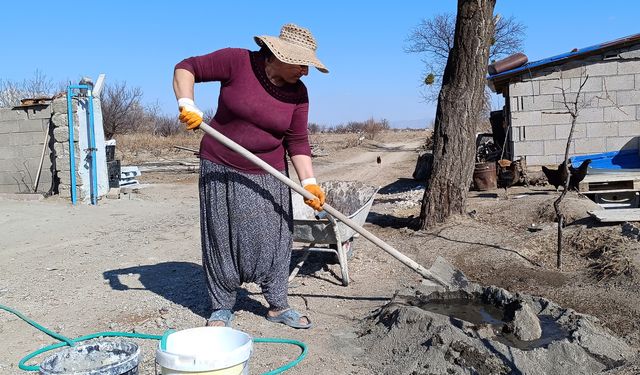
556,177
577,174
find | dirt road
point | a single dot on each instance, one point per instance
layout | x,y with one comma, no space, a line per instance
133,264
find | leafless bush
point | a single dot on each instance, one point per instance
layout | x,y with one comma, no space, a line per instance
11,92
122,111
368,128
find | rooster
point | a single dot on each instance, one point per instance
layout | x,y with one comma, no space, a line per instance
577,174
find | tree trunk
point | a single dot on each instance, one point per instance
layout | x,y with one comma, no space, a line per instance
459,109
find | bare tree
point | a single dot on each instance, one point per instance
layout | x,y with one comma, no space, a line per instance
11,92
121,108
459,108
573,108
434,38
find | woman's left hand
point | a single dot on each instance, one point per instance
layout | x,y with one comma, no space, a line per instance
317,203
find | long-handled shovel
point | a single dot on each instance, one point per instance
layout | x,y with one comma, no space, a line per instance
330,210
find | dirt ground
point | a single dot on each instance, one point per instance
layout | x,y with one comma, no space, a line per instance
133,264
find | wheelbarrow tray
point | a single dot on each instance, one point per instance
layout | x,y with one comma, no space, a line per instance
352,196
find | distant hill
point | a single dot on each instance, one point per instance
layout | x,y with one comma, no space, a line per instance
411,124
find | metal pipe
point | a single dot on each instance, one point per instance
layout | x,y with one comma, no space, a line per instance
72,155
93,173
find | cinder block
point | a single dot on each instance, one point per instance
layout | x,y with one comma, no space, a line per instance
579,131
31,151
598,99
61,134
592,84
540,160
548,73
60,120
559,100
10,126
516,133
626,113
602,68
621,143
514,103
554,86
600,129
589,145
590,114
528,148
525,88
26,139
628,97
59,105
628,67
37,125
557,146
540,132
555,117
538,102
526,118
573,70
8,114
629,128
9,152
620,82
38,112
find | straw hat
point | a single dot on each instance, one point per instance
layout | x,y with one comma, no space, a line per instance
295,45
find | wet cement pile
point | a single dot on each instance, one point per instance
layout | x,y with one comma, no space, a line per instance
487,330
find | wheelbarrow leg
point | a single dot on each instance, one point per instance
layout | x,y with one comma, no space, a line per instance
300,263
341,251
342,259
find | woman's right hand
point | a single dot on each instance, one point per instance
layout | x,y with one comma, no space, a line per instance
190,115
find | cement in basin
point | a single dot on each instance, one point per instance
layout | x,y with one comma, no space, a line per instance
482,314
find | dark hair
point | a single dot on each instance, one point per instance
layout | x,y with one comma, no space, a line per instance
265,51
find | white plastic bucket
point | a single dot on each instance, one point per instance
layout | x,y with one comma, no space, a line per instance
205,351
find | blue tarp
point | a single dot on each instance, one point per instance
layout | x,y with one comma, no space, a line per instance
618,160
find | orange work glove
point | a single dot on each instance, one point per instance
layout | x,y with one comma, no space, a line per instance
190,115
314,189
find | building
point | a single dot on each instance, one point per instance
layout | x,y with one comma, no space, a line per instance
536,121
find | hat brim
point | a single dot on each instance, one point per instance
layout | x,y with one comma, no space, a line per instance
290,53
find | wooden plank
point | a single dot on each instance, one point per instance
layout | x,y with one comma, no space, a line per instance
616,215
610,177
588,192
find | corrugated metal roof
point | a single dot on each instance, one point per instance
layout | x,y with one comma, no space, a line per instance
562,58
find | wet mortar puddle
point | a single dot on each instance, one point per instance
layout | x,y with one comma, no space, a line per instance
483,314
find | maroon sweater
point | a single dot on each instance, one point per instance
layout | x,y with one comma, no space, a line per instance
260,116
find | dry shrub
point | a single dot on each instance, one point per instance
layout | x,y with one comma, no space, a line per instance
605,249
134,147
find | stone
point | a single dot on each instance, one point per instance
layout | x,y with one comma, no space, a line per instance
525,324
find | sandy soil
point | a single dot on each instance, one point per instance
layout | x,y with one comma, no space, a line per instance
133,264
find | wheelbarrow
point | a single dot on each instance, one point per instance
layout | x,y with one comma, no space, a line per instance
324,233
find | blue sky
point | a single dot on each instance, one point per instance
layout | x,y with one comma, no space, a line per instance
361,42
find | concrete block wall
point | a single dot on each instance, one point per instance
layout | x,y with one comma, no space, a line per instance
22,139
609,118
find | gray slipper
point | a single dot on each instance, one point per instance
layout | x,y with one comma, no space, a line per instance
223,315
291,318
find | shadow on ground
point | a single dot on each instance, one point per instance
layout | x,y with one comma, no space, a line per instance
179,282
402,185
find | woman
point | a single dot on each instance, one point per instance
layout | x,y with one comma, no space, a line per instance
245,214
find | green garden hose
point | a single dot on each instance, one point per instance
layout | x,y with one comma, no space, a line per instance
71,342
